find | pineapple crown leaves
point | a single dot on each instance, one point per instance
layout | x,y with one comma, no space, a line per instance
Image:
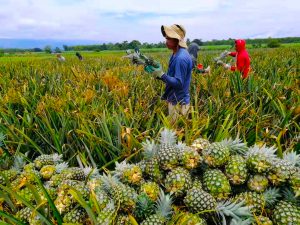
247,221
267,152
292,158
271,196
235,145
164,205
150,149
120,167
182,146
56,158
61,166
109,182
236,210
19,162
168,136
91,172
288,195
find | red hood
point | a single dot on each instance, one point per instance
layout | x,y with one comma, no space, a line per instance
240,45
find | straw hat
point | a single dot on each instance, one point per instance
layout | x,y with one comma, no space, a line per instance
175,31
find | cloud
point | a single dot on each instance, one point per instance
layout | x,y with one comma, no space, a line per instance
117,20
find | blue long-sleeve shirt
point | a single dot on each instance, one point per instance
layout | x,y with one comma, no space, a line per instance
178,78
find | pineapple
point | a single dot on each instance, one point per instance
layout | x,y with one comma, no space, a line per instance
295,182
24,214
259,201
144,207
43,160
167,152
216,183
124,196
199,144
151,189
217,154
128,173
258,183
286,213
151,162
259,159
236,170
190,219
199,201
282,169
73,173
8,176
262,220
102,198
123,219
107,215
178,181
190,158
163,211
48,171
76,215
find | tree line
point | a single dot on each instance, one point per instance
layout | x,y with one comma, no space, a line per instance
257,42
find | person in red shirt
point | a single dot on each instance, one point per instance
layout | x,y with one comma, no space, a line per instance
242,59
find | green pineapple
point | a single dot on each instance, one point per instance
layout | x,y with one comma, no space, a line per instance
199,201
123,219
102,198
76,215
258,183
189,158
73,173
190,219
259,159
286,213
259,201
163,211
151,189
283,169
144,207
124,196
199,144
151,162
262,220
43,160
128,173
107,215
167,152
216,183
178,181
8,176
295,182
217,154
236,170
24,214
197,183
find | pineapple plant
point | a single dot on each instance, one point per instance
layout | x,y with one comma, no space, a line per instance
167,151
163,211
178,181
236,170
216,183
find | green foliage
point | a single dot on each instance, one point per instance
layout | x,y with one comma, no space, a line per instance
1,52
273,43
48,49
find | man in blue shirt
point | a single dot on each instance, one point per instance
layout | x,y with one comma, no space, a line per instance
178,76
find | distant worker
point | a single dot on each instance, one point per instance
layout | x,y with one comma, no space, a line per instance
60,57
242,59
193,49
177,79
79,56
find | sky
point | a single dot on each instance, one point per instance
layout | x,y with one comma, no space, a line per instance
121,20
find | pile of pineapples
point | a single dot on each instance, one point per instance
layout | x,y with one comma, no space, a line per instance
205,183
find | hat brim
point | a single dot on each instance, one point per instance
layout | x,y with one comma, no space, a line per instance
169,32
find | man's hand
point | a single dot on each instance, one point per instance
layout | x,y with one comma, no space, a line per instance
156,71
227,66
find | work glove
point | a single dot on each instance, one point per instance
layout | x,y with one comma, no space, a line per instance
156,71
224,54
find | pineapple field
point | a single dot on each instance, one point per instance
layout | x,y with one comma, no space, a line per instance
90,143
